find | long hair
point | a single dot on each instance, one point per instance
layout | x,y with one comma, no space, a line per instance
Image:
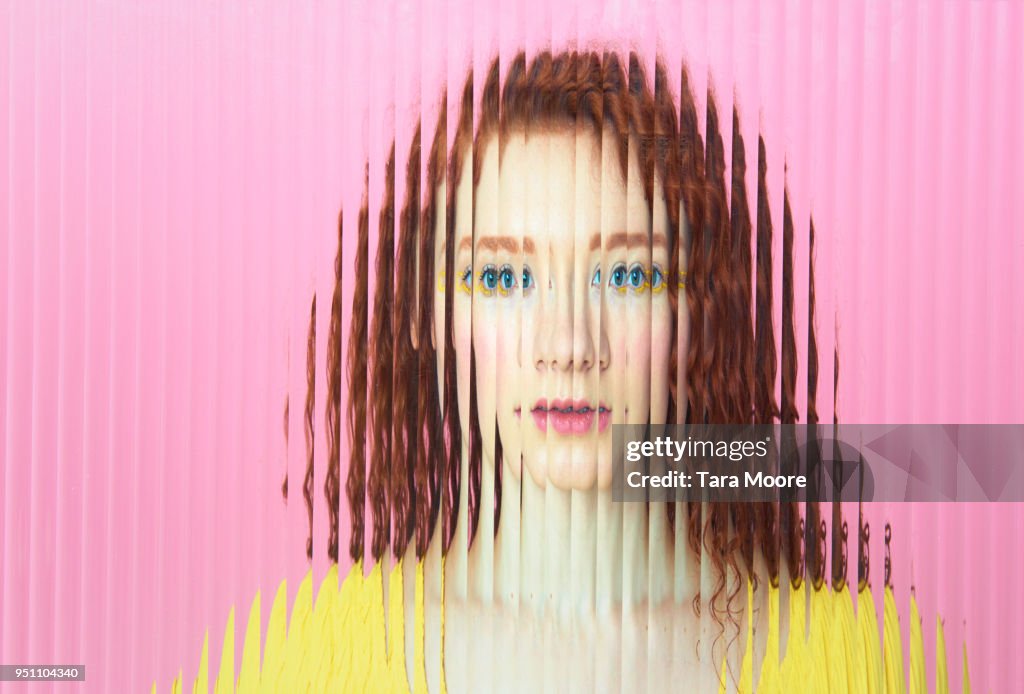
414,476
356,377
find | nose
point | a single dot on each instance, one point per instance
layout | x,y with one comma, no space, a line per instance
566,340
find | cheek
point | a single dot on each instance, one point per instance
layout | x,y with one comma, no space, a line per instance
506,355
616,326
661,343
524,341
647,377
638,377
462,329
682,342
661,368
462,338
485,350
489,336
508,377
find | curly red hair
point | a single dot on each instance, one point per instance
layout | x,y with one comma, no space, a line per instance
413,474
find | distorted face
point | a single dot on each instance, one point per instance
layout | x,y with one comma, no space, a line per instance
571,321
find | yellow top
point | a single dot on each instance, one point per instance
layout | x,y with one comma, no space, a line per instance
339,643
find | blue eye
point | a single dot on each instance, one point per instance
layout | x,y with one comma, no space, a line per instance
527,279
637,277
506,279
657,279
489,279
596,280
618,278
464,281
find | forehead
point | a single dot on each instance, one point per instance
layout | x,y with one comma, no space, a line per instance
551,183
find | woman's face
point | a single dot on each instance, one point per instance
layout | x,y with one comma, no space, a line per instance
571,322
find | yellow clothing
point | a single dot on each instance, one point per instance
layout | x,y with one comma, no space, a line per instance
340,643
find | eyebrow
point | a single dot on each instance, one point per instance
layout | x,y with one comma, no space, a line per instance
637,239
495,243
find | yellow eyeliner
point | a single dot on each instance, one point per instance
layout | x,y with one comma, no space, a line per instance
483,287
464,285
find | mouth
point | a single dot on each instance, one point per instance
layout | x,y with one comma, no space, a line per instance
570,417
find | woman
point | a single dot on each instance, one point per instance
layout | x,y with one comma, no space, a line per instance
575,264
626,247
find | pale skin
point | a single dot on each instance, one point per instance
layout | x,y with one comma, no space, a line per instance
575,592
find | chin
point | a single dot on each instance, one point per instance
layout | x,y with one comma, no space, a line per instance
569,470
511,452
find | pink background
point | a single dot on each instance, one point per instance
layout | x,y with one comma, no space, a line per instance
173,176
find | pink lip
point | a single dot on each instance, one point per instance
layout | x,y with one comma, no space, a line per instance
570,417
